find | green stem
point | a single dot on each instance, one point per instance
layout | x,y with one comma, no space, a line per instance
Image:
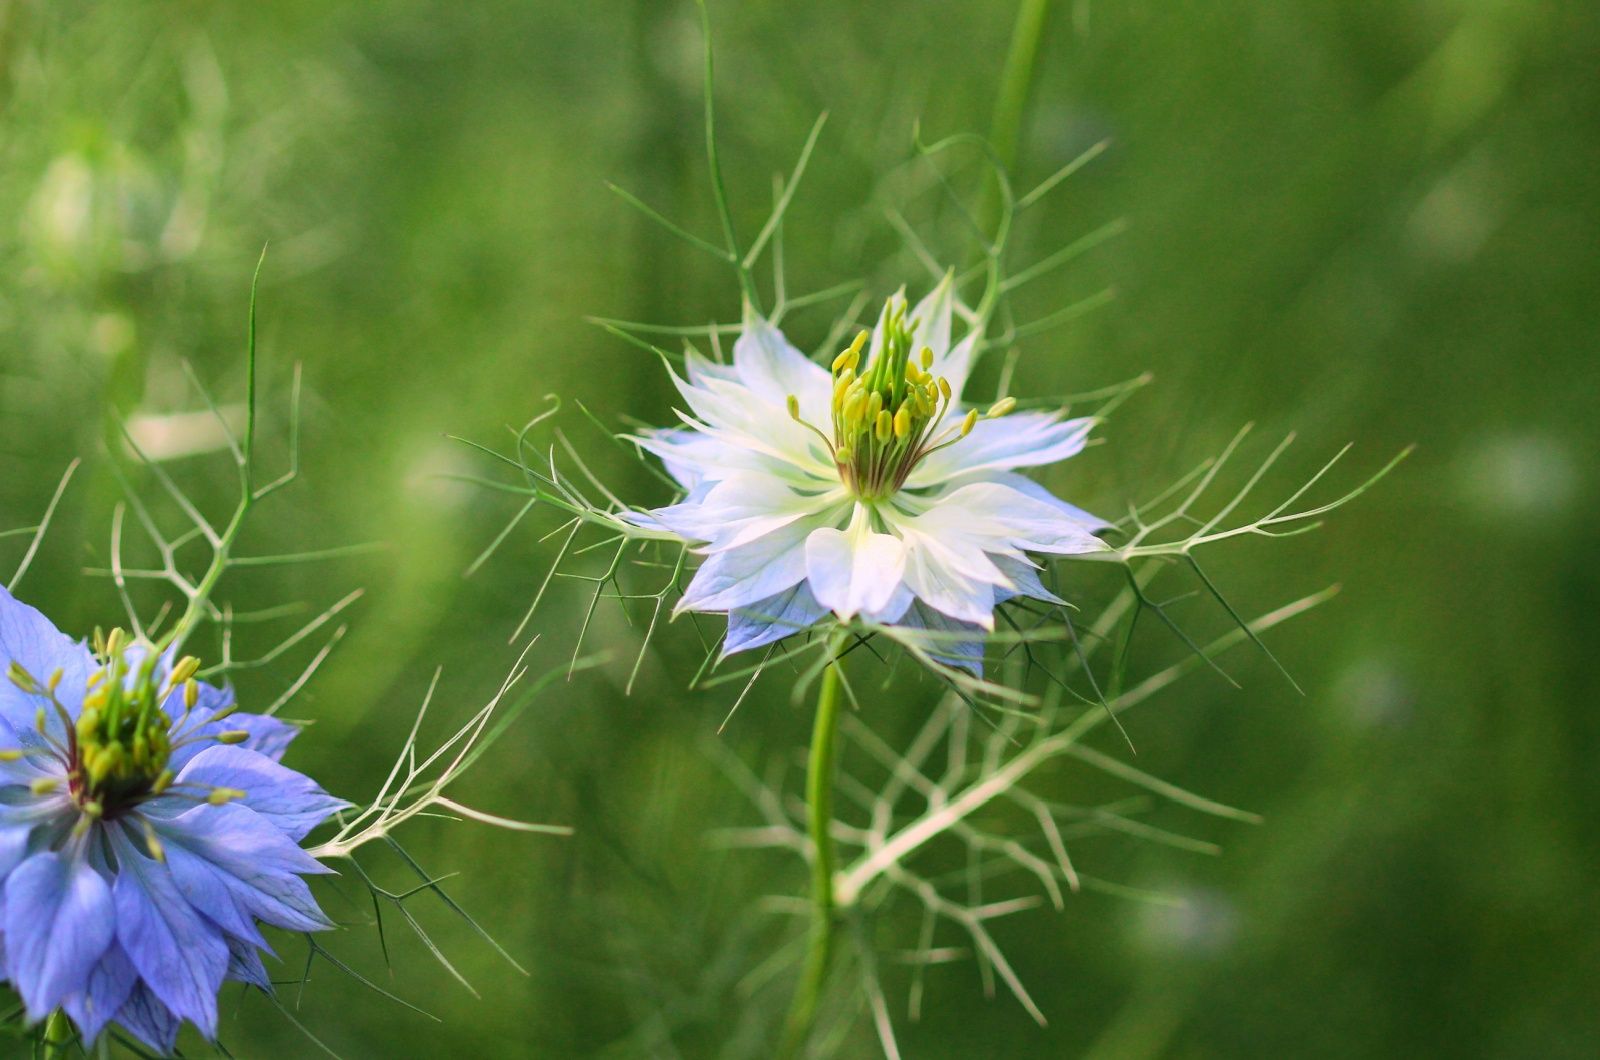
1016,79
57,1035
819,806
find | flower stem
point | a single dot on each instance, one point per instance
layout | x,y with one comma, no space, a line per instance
819,815
1016,79
57,1035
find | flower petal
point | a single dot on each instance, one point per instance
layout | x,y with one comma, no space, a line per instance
261,867
59,921
738,577
856,570
772,619
29,640
955,643
110,984
179,953
292,802
1021,439
150,1021
773,369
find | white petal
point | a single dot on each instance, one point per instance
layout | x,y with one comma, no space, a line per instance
946,577
854,571
771,367
742,507
932,315
1021,439
1003,519
741,576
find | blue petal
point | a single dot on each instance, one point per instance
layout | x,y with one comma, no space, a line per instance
292,802
180,954
28,638
267,735
147,1019
58,921
110,984
204,887
259,865
244,965
965,654
772,619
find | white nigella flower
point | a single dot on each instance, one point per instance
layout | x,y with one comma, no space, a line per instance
869,490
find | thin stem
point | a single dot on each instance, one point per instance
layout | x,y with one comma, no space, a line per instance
1016,79
819,815
57,1035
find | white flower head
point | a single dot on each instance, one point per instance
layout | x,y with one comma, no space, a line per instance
869,490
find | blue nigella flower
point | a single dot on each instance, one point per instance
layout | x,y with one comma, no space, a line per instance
146,830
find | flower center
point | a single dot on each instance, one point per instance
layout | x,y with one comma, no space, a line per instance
887,412
119,747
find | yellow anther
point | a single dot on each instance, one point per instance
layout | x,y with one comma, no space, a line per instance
883,425
55,680
844,455
39,719
794,407
191,694
874,405
233,736
10,754
927,357
93,810
944,387
95,678
1001,407
44,785
847,359
902,421
854,405
969,422
162,782
859,342
21,678
220,796
153,844
88,723
114,641
913,373
187,667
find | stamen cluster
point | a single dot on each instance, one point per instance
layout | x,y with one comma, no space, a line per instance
889,413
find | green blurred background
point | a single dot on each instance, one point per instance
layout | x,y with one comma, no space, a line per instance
1369,222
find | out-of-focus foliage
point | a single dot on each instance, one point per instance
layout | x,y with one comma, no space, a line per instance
1370,222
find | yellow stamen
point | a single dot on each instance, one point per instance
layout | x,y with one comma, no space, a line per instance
1001,407
44,785
969,422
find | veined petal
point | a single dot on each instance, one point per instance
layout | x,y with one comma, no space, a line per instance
950,578
110,984
1024,485
772,619
933,315
260,866
956,644
31,641
1002,520
855,570
773,369
738,577
180,954
1021,439
291,802
59,921
150,1021
741,508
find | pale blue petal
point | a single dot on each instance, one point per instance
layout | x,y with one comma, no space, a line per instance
261,867
292,802
58,920
180,954
772,619
147,1019
30,640
110,985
